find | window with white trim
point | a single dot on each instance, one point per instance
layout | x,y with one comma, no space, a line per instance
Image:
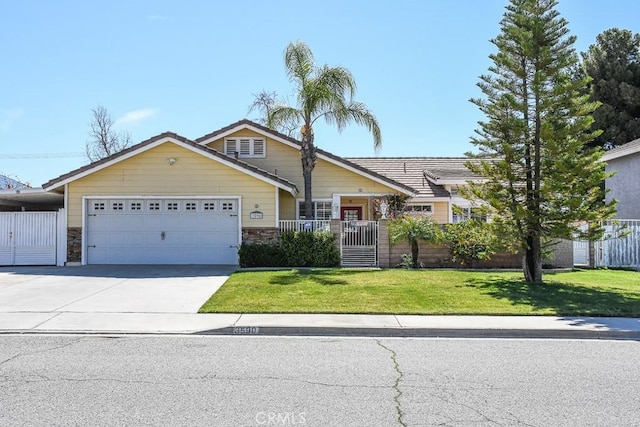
135,206
190,206
245,147
464,213
117,206
423,209
153,206
209,206
172,206
98,206
321,209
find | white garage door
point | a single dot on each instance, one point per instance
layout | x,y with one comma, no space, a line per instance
162,231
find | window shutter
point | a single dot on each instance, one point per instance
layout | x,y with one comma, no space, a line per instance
245,147
231,147
258,147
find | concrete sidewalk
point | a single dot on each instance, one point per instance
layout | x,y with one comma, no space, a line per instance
321,324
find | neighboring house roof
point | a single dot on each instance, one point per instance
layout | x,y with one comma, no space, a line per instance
8,183
623,150
176,139
325,155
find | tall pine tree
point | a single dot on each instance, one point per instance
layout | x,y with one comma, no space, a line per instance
613,63
541,176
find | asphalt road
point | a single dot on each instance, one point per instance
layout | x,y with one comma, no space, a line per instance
273,381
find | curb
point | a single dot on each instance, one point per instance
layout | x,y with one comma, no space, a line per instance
287,331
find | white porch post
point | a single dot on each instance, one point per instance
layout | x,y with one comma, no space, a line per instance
335,206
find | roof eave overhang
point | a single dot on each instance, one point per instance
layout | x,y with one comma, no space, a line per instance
290,188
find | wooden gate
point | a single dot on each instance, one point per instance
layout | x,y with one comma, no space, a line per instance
359,244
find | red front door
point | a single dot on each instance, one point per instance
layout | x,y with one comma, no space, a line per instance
350,213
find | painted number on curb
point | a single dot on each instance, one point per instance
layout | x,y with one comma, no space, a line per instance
246,330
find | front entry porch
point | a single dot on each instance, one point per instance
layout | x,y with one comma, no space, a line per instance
359,241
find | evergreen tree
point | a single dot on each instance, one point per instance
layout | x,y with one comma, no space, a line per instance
613,63
540,176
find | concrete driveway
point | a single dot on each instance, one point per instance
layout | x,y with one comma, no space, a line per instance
31,296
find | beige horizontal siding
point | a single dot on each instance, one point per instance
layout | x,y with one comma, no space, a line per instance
327,178
193,174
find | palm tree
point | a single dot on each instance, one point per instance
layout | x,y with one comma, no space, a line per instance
322,92
414,229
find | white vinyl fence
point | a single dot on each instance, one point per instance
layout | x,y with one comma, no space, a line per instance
620,246
33,238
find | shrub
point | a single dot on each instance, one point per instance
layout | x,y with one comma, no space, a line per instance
310,249
260,255
471,241
295,249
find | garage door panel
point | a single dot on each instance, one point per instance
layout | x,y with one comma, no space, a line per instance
163,232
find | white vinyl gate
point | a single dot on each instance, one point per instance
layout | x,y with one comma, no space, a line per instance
32,238
359,244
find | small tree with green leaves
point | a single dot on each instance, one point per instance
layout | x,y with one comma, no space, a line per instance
414,229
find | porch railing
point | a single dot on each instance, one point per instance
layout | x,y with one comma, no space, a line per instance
305,225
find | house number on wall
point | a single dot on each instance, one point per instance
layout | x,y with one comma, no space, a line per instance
255,215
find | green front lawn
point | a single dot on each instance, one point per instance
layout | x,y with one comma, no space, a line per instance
578,293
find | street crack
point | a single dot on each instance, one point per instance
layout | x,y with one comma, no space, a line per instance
396,384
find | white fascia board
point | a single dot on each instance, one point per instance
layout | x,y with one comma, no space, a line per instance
297,147
418,200
457,181
118,159
621,152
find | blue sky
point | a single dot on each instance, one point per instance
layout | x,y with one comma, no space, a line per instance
192,67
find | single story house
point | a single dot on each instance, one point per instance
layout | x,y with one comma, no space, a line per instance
173,200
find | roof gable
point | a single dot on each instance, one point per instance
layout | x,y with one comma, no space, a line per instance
178,140
294,143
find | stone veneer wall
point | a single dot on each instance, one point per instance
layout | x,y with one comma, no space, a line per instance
74,244
431,256
268,235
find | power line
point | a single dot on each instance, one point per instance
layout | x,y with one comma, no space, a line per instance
42,155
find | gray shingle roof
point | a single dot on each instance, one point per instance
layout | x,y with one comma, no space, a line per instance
415,171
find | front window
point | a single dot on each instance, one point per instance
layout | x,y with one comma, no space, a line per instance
322,210
422,209
464,213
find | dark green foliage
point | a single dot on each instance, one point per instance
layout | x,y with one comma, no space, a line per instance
613,63
295,249
541,177
260,255
471,241
304,249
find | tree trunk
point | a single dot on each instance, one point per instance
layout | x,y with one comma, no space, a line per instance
414,254
532,260
308,158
